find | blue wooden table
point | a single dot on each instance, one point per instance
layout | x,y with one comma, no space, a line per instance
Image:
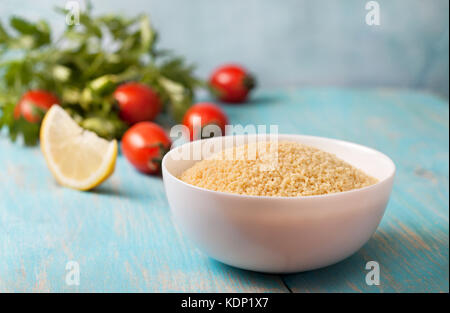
122,237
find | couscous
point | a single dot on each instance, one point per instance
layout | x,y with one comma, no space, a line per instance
284,168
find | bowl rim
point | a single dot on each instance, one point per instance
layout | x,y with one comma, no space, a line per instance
296,198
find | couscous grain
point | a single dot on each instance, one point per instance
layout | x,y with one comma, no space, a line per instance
286,169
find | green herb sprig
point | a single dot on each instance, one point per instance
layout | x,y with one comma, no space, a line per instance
84,66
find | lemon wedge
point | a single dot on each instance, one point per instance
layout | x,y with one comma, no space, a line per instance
77,158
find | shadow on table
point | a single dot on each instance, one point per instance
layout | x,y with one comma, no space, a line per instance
339,277
108,190
256,100
260,282
333,278
348,275
388,248
268,99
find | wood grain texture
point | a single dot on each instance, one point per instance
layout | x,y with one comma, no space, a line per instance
123,238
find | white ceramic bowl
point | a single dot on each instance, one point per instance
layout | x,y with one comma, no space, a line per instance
280,234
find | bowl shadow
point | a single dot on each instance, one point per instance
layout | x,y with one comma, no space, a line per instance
348,275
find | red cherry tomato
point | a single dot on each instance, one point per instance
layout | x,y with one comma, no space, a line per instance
32,102
144,145
206,113
137,102
232,83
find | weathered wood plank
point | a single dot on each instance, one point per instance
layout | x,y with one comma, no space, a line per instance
122,236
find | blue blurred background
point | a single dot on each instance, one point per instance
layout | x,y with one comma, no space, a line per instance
295,43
